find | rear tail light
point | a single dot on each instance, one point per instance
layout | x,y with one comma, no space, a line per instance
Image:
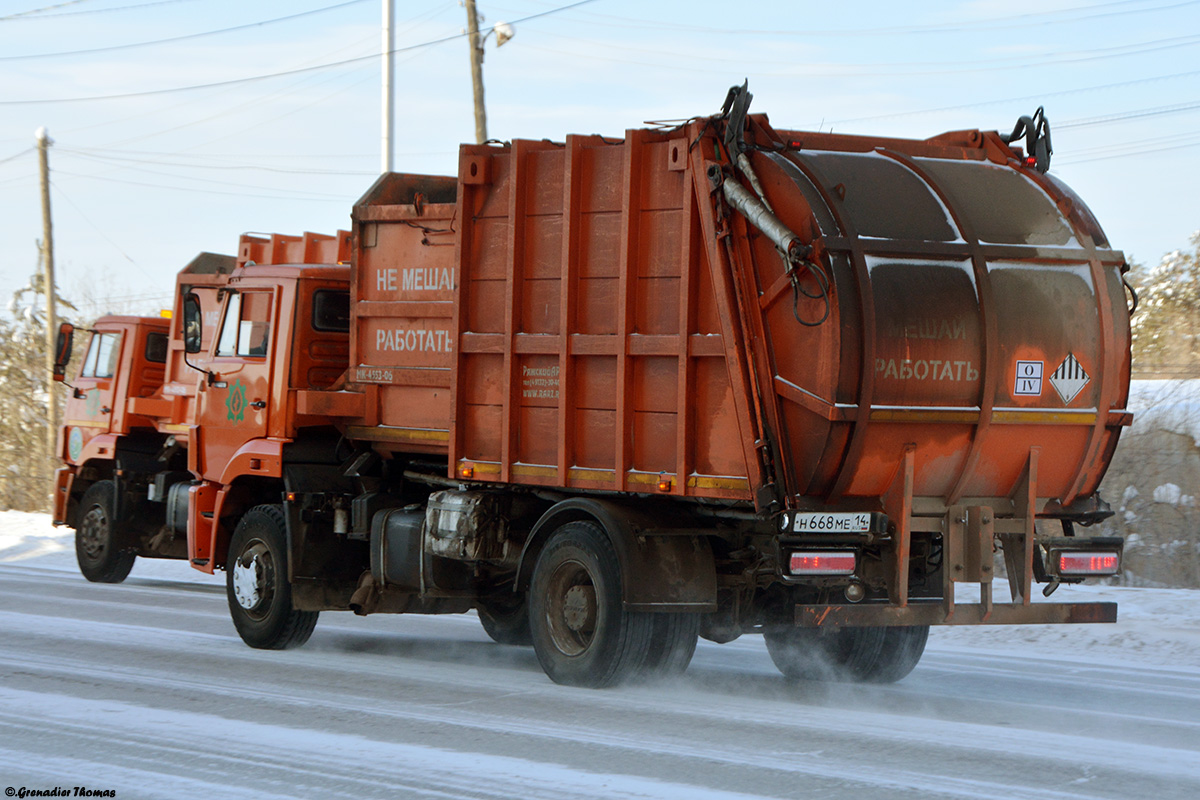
823,562
1084,563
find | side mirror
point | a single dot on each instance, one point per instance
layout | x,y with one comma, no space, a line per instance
193,326
62,350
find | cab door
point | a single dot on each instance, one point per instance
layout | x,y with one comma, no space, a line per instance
235,400
89,411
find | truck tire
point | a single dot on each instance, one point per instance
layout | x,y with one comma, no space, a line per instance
100,543
257,587
582,634
673,644
868,655
506,620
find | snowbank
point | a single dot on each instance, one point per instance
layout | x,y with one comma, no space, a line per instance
30,540
1171,405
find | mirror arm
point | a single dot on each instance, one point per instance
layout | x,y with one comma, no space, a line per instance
209,375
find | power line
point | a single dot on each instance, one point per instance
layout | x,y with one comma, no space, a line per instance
37,15
680,62
1025,99
219,156
124,298
1146,112
256,102
1076,155
282,91
256,78
99,156
40,10
1129,150
191,189
181,38
210,180
14,157
97,228
1018,20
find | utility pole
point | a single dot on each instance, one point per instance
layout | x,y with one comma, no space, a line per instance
476,44
389,80
43,143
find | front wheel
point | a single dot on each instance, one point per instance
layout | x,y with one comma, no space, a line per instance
869,655
582,634
100,546
257,587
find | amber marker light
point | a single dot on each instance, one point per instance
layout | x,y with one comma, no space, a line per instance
466,471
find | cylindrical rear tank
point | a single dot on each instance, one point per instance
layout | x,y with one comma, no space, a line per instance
977,312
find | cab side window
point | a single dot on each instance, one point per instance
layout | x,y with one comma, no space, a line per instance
246,329
156,348
102,355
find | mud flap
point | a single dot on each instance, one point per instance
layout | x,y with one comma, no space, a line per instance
662,571
674,572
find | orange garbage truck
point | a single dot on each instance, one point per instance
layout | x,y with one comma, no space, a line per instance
616,394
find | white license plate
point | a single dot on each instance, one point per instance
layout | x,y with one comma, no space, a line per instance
839,522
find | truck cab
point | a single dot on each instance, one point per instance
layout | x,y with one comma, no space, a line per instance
125,359
186,418
103,431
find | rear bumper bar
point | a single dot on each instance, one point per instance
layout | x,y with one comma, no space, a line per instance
936,614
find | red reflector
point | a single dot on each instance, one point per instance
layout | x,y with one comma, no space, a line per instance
823,562
1085,563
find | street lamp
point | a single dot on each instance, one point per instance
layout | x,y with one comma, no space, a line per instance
503,32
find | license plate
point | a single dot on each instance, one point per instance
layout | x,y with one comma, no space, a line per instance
834,522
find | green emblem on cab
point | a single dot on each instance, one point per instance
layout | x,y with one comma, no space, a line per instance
235,403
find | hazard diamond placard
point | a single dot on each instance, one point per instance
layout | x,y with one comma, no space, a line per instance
1069,379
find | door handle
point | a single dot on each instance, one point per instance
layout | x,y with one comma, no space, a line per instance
257,404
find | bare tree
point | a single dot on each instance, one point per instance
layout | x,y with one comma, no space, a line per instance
26,468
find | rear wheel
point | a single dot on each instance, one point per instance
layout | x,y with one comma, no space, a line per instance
506,620
582,634
257,587
870,655
100,545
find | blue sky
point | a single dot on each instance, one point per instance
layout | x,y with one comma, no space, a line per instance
158,171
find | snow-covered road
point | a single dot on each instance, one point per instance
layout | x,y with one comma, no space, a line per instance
143,688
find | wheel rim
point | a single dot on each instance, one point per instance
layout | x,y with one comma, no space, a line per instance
571,608
94,533
254,579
